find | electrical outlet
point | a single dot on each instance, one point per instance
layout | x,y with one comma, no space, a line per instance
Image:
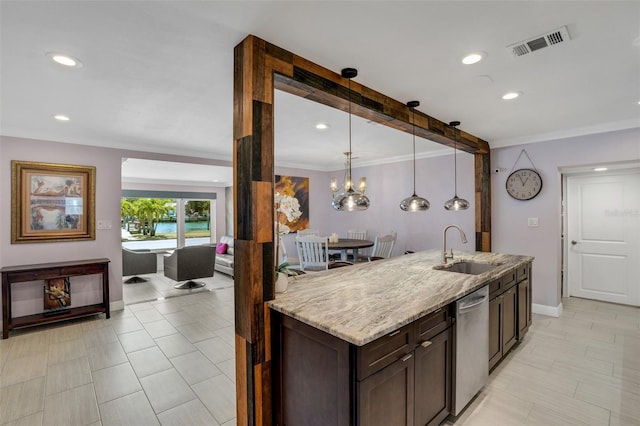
532,222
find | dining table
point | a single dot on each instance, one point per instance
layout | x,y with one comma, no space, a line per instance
346,244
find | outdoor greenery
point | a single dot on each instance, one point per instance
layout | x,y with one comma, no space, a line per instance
141,216
147,212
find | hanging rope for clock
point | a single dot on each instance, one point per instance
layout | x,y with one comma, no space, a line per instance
518,159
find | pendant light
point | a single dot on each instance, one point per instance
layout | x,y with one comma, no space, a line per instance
455,203
349,199
414,203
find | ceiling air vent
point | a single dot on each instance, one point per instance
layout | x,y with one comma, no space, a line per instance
539,42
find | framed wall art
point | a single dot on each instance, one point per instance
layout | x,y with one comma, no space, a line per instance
52,202
297,187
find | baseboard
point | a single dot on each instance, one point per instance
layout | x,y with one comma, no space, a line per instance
118,305
550,311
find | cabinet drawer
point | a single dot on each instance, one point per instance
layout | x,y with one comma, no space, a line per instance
508,280
432,324
522,272
495,287
384,351
69,271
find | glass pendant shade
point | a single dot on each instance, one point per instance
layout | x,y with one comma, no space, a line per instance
456,203
350,199
414,203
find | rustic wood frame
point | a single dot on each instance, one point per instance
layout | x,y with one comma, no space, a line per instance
259,68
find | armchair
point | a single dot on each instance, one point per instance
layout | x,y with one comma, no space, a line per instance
189,263
137,263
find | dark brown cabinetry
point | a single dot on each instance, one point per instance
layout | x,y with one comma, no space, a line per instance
509,312
386,397
15,275
524,307
433,380
403,378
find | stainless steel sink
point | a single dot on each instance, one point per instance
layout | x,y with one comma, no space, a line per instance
466,267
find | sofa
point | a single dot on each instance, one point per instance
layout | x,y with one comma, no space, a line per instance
224,261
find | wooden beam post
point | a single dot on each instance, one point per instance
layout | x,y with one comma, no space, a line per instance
259,67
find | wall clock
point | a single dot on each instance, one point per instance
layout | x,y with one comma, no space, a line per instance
524,184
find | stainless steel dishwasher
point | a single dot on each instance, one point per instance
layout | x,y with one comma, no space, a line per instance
472,346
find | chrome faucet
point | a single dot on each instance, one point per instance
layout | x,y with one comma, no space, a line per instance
463,237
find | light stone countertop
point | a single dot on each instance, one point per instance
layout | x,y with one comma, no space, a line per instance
365,301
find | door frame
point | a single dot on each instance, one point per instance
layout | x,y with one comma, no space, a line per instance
614,168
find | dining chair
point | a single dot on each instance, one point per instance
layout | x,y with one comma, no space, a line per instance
313,252
383,246
307,232
354,234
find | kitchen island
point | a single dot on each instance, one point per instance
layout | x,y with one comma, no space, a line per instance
372,343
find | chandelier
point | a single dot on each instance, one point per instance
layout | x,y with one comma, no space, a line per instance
349,198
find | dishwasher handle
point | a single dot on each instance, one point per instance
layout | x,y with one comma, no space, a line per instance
473,305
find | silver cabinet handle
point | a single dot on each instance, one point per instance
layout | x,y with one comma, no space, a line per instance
394,333
426,344
406,358
574,242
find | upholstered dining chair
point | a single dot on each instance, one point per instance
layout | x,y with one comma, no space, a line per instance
383,246
189,263
136,263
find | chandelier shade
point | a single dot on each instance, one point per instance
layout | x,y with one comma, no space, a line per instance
414,203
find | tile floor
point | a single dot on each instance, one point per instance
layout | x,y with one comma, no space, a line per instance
172,362
580,369
158,286
168,362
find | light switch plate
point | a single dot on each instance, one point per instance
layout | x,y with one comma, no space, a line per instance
103,224
532,222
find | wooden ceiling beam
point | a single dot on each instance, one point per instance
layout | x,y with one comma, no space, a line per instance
321,85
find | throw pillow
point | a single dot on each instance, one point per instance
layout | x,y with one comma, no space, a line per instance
221,248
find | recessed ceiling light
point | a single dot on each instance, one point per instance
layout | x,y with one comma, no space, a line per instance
473,58
322,126
61,117
600,169
511,95
64,59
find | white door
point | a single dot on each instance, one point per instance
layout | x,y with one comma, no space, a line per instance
603,223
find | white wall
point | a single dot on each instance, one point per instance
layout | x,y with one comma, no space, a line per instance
509,216
27,298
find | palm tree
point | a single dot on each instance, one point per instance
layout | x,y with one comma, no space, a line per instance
127,212
150,211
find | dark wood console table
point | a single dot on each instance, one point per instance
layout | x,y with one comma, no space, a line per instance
19,274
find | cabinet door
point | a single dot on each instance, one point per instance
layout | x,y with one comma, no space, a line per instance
313,371
386,397
509,319
495,330
524,308
433,381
